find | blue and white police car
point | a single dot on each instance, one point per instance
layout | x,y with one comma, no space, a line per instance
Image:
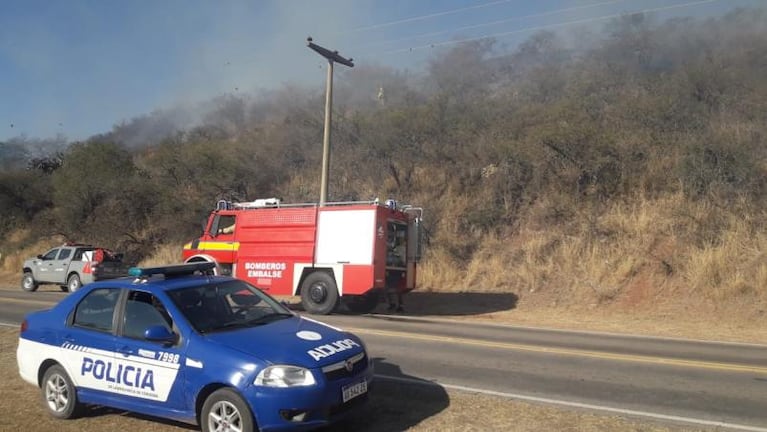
180,343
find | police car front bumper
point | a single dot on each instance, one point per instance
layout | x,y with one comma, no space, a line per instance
303,408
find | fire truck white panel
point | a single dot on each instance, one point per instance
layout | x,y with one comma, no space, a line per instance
345,237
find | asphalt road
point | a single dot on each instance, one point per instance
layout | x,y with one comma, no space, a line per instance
706,384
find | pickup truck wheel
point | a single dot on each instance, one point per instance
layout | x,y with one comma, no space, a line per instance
73,283
28,282
319,294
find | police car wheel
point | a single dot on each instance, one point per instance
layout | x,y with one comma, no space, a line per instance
224,410
319,294
59,394
28,282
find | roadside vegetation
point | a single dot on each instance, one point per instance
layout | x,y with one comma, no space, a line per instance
622,169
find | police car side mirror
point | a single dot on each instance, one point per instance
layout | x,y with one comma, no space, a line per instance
39,257
158,333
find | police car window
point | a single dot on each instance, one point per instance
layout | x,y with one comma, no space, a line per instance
65,254
95,310
144,310
228,305
50,255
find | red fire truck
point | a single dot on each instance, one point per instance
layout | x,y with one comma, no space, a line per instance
357,251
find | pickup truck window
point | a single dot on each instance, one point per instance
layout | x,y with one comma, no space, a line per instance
50,255
79,253
65,254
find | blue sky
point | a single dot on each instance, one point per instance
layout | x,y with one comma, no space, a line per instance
77,67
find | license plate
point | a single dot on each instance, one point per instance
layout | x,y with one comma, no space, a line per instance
353,390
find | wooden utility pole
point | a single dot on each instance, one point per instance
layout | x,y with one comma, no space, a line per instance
332,57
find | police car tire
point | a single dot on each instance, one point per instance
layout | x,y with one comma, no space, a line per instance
228,398
57,381
28,282
319,282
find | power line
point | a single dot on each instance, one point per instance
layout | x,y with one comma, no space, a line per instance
503,21
546,26
424,17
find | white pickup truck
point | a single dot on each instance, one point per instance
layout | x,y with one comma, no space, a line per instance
70,266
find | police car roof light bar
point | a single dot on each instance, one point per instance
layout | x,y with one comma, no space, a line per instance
173,270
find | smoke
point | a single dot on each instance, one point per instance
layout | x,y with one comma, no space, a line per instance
76,69
79,69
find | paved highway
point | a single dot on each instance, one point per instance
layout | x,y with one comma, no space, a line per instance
706,384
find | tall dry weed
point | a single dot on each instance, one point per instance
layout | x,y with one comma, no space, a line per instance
595,258
733,268
163,255
440,272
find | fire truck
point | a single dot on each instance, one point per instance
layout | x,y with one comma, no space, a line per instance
350,252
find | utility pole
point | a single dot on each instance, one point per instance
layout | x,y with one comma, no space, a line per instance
332,57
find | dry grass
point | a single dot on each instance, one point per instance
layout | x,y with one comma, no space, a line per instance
428,408
734,268
667,250
164,254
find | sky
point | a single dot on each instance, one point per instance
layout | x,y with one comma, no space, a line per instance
78,67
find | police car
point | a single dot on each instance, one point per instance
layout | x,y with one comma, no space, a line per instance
180,343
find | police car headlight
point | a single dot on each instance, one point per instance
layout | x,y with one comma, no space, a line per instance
285,376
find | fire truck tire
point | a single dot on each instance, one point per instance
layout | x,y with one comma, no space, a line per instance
319,294
362,304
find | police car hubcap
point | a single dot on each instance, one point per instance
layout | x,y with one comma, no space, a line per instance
224,417
56,393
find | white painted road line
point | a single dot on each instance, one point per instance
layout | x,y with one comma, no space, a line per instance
620,411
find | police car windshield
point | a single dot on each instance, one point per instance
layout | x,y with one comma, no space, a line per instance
226,306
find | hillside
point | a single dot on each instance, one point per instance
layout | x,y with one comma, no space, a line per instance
627,175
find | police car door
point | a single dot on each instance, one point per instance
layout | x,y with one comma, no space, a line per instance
150,369
87,345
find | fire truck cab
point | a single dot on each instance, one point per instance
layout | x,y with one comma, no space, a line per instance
355,251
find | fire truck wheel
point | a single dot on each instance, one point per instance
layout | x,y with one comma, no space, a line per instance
362,304
319,294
